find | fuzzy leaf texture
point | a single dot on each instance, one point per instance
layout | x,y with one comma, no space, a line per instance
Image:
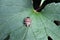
12,13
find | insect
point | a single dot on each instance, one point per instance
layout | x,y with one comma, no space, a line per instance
27,21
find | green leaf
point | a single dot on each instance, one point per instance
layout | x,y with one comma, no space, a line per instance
51,11
12,14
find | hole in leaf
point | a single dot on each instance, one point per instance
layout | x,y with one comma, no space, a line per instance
49,38
7,38
57,22
27,21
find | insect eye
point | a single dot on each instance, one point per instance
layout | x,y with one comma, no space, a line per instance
27,21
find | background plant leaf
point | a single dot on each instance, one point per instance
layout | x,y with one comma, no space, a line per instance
12,14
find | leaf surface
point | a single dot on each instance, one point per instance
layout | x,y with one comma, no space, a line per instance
12,14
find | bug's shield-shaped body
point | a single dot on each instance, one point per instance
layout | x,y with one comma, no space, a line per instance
27,21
